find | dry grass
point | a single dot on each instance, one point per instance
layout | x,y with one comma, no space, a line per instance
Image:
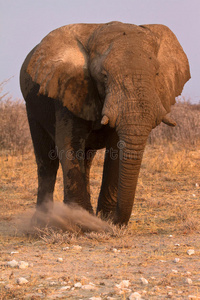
167,198
56,236
14,130
187,130
165,206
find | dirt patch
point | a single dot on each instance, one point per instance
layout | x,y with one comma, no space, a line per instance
100,262
80,265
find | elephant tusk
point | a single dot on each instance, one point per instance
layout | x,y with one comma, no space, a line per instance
168,121
104,120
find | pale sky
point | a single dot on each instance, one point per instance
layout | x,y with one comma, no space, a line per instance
23,23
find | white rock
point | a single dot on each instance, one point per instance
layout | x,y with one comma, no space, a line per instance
22,280
14,252
188,281
135,296
144,281
174,271
23,265
190,251
192,297
123,284
196,184
170,235
188,273
176,260
52,283
65,288
194,195
163,261
13,263
59,259
65,248
177,245
78,285
88,287
116,250
95,298
77,247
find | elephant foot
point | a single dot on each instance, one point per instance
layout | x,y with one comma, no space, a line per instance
117,220
107,216
41,217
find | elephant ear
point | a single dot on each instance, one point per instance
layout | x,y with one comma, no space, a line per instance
174,69
60,66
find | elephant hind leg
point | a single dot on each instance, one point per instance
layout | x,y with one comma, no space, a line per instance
89,156
47,162
107,201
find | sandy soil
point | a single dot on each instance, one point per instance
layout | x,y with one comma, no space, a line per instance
163,227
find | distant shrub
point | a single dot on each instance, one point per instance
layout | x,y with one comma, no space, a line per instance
14,129
187,130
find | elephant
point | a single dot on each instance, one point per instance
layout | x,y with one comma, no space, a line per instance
94,86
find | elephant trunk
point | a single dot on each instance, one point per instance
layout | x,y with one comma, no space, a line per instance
133,130
129,166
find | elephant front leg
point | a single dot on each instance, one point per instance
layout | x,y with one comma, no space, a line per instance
107,201
70,142
74,178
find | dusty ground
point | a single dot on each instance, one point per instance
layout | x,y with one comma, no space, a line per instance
164,226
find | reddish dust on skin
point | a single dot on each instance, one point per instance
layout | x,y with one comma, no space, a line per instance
61,216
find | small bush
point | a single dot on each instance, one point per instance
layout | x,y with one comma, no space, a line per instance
14,129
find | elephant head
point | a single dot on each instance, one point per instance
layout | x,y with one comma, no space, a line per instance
119,74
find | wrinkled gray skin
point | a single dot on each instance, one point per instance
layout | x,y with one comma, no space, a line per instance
90,86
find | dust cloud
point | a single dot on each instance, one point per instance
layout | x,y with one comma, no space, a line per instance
61,216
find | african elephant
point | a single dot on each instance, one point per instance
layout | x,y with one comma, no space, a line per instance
90,86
